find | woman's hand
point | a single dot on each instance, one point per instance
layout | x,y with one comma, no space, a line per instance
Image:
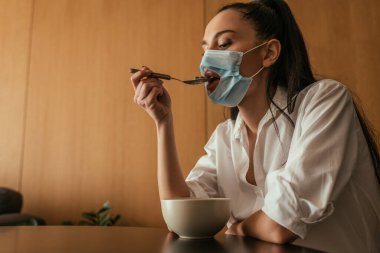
151,95
262,227
235,229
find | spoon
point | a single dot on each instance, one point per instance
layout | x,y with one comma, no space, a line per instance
195,81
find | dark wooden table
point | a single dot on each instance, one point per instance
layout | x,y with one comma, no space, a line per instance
70,239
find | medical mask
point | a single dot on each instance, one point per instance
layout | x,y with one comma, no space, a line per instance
232,86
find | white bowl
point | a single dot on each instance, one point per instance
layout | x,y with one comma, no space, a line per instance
195,218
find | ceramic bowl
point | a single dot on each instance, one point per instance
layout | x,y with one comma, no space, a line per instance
196,218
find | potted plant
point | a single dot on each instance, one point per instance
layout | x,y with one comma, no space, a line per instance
102,217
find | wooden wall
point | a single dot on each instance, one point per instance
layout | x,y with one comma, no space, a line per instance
343,39
85,140
15,31
71,136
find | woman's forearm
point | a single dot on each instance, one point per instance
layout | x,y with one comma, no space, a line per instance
262,227
171,182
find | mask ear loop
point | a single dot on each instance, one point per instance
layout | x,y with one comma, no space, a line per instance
257,72
262,44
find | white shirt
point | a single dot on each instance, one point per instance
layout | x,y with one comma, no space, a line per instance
315,179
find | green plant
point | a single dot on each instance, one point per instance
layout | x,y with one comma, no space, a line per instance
99,218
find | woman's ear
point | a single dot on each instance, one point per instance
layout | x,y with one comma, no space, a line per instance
272,53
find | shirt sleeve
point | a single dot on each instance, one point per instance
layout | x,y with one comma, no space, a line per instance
202,180
321,159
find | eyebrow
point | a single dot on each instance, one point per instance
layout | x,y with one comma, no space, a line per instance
218,34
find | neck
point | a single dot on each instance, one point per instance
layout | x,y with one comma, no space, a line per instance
255,105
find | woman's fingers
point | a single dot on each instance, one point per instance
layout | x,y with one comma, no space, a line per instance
151,95
145,87
136,77
150,101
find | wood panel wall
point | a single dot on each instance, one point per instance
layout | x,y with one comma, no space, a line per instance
15,27
343,39
86,141
71,136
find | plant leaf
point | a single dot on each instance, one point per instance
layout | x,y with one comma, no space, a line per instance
106,207
85,223
105,222
99,218
105,218
68,223
114,220
90,216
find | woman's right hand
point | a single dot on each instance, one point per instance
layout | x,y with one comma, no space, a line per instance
151,95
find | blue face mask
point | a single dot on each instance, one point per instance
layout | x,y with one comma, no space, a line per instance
232,86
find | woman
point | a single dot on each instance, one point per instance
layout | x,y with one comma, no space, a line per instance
296,157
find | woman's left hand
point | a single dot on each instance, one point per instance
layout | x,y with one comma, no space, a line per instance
235,229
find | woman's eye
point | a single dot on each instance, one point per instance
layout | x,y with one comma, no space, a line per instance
224,45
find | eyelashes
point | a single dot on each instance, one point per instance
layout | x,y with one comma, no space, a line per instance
224,45
220,46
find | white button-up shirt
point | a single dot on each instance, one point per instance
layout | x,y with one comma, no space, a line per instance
315,178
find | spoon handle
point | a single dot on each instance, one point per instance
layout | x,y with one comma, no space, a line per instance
153,74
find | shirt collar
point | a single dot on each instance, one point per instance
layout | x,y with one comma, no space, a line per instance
280,99
239,126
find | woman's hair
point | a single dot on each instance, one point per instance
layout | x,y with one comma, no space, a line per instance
292,70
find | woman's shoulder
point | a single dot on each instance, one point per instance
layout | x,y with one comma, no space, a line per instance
323,91
325,86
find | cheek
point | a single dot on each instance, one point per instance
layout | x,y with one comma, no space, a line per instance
254,89
249,66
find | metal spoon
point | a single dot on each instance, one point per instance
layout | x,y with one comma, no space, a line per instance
195,81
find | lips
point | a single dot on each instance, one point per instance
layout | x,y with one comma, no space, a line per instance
213,82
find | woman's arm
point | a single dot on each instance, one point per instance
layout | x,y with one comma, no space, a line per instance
155,100
171,183
262,227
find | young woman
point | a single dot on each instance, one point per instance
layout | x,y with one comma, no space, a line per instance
296,157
